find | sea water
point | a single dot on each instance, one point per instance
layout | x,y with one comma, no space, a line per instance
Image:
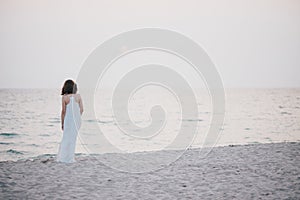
30,121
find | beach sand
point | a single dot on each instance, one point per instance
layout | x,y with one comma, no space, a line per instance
256,171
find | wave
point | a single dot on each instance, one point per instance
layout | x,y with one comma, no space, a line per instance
9,134
99,121
54,121
14,151
6,143
192,120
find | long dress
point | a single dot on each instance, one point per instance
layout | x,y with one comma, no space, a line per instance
72,123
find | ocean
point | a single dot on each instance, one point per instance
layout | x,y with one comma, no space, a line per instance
30,121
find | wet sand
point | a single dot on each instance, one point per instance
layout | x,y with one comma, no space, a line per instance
257,171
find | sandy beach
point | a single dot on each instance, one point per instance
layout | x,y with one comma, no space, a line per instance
256,171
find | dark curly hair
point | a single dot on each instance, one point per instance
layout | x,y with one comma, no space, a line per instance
69,87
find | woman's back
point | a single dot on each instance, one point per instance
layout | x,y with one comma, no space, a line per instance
72,116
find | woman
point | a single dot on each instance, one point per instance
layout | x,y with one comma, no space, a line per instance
71,112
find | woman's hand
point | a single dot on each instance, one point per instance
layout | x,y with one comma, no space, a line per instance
62,127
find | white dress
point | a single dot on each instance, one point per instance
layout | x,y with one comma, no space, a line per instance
72,123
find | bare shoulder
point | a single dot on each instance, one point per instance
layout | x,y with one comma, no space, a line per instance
78,97
65,99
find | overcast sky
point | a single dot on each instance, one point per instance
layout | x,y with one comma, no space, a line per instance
253,43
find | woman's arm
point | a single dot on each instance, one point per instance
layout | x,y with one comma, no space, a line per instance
80,105
63,112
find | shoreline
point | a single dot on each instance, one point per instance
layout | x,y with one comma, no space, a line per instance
80,154
265,171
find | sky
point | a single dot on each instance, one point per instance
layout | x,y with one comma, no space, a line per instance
252,43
